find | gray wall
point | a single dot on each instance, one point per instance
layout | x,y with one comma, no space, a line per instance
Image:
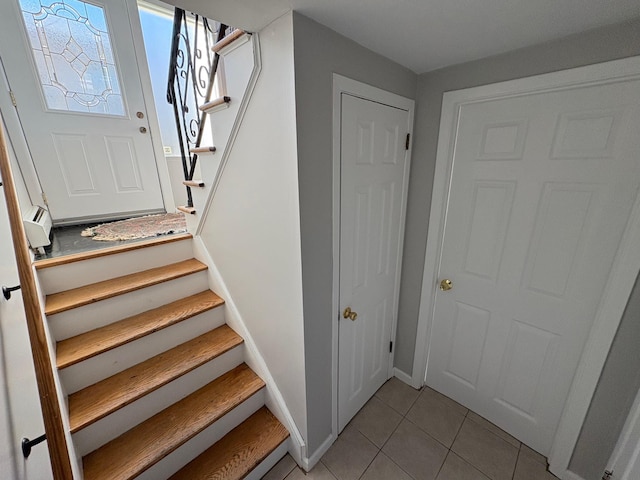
619,381
595,46
615,393
318,53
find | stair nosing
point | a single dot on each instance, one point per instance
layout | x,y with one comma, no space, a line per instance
119,286
91,254
178,315
246,390
135,372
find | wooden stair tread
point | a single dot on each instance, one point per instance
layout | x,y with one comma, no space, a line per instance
145,444
187,210
100,399
81,347
237,33
77,297
78,257
214,103
239,452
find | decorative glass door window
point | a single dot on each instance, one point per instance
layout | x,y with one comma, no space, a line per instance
73,55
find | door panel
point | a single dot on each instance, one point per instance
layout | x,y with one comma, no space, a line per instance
542,186
73,71
373,168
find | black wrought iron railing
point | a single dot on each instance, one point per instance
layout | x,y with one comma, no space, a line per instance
192,72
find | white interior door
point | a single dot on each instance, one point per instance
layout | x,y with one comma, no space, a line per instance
541,190
73,71
374,165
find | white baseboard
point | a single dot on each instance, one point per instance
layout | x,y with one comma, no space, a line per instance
309,462
273,397
568,475
268,463
406,378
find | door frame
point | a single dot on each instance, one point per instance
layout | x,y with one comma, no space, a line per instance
626,455
17,137
624,270
364,91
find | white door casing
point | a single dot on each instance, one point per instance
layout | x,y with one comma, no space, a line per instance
625,459
373,178
91,165
532,163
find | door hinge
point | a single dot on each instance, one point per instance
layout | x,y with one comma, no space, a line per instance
607,475
44,199
13,98
406,144
390,347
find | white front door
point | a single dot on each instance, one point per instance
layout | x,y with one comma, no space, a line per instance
541,190
73,72
374,166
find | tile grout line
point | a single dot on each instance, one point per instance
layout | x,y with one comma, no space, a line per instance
513,476
403,417
442,464
449,449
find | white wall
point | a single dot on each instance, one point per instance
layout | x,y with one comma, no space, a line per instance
20,414
8,450
252,230
599,45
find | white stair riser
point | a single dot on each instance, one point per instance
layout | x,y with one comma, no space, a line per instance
78,274
82,319
109,363
269,462
108,428
198,444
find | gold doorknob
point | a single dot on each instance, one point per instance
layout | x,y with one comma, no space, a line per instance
348,313
446,284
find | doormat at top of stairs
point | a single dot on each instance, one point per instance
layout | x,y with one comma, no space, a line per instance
139,227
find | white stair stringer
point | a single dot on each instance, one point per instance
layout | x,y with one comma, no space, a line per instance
115,424
273,397
241,67
74,456
269,462
92,370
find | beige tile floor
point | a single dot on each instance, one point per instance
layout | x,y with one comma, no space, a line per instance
404,434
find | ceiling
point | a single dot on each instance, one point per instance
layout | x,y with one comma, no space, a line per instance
425,35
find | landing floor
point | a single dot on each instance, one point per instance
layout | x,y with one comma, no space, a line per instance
405,434
67,241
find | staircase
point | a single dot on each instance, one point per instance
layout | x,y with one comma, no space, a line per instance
155,380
